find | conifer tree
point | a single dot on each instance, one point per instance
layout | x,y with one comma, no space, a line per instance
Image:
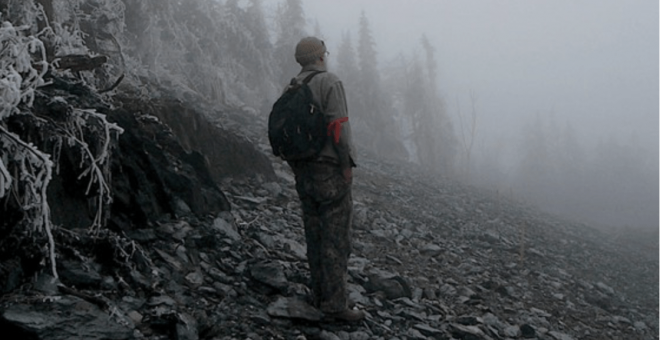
372,109
414,106
257,25
367,54
291,28
347,68
431,65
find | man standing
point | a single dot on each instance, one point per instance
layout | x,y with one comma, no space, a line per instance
324,187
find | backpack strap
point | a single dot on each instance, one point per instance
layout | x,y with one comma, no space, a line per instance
310,76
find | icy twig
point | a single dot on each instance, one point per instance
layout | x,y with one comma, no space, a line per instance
5,179
36,185
98,163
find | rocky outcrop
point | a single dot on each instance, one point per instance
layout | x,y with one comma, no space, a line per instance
155,177
226,154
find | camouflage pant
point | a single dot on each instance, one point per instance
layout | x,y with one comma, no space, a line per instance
327,207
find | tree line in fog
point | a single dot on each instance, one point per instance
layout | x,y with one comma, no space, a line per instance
239,54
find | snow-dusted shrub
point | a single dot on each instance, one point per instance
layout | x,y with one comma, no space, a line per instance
34,171
22,67
25,170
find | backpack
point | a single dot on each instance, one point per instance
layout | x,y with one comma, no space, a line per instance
296,124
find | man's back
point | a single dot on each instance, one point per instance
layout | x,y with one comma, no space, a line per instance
329,92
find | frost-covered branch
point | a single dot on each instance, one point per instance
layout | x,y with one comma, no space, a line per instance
20,75
36,172
22,67
95,164
5,179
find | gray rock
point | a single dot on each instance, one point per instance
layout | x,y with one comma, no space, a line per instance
225,289
448,290
560,336
427,330
220,276
129,302
605,288
429,293
411,315
431,250
195,278
356,294
181,208
47,284
161,300
260,317
468,332
325,335
512,331
79,275
539,312
392,285
415,334
142,235
186,327
182,254
360,335
135,316
527,331
170,260
492,320
640,326
343,335
293,308
267,240
273,188
109,283
468,320
271,274
466,291
67,318
227,229
181,230
621,319
294,248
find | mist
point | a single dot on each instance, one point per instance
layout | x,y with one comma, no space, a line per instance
553,103
550,103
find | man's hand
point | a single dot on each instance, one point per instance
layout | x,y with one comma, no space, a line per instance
348,174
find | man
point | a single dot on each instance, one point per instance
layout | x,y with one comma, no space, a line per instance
324,188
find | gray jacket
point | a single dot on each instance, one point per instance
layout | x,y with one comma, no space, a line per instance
328,91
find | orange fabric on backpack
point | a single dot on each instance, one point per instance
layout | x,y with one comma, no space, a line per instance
334,128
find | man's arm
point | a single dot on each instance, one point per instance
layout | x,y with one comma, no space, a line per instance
339,127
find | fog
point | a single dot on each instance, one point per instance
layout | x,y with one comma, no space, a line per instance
583,68
593,63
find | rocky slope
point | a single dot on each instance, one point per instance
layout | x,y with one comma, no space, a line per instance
433,259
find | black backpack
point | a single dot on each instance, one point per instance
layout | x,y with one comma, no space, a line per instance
296,124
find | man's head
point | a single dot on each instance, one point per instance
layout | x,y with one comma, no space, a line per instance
309,50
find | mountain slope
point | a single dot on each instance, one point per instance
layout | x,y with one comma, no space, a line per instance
433,259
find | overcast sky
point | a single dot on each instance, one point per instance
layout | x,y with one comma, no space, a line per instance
593,63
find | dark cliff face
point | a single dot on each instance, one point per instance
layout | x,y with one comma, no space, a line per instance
153,177
225,153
